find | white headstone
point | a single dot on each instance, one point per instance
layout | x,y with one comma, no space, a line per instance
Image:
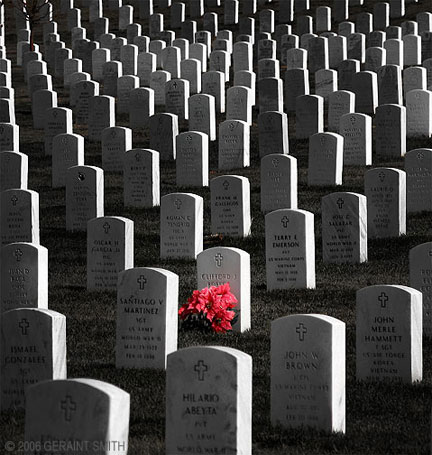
110,250
33,349
141,178
290,249
389,334
230,206
385,190
314,344
344,228
181,225
223,377
420,266
147,313
278,182
220,265
84,196
78,410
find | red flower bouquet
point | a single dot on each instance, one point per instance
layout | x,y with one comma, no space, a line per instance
210,309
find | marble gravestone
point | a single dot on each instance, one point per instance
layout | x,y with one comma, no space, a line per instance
385,190
163,131
234,144
418,168
192,159
339,103
420,273
110,250
19,216
209,401
9,137
23,276
147,307
230,206
344,228
101,116
141,178
278,182
390,130
84,196
202,115
13,170
221,265
308,372
116,140
389,334
325,159
32,349
356,130
273,133
67,151
290,249
419,113
181,225
86,411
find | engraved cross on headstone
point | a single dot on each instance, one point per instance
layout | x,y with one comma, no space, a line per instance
142,281
24,325
285,221
18,253
106,227
301,330
218,259
178,203
14,200
200,368
225,184
68,406
383,298
340,202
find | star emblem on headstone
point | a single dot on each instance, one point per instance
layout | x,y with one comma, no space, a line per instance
420,155
352,119
231,126
189,137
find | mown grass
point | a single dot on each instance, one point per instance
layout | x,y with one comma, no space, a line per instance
381,418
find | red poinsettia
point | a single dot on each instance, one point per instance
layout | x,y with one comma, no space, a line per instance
210,308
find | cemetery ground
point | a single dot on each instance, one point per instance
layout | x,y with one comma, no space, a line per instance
381,418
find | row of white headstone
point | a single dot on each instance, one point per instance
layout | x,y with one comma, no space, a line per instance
390,310
307,355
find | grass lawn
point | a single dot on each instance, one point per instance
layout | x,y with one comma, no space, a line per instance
381,418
